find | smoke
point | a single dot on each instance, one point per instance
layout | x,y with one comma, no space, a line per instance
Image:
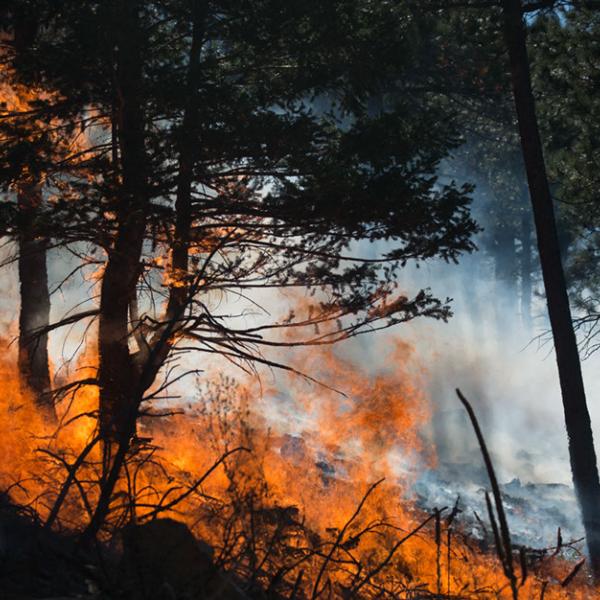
507,371
509,374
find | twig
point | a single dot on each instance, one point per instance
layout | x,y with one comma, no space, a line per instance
72,470
194,487
297,584
565,582
438,551
504,531
390,555
340,537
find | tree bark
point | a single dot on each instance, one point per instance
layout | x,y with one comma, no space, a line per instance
34,312
119,385
188,155
577,418
118,378
123,377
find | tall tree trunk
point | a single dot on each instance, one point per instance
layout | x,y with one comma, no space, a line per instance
526,286
123,378
577,418
119,380
188,155
119,385
34,314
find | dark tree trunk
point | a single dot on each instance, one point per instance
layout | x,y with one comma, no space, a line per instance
188,156
123,377
119,383
577,418
189,152
526,286
119,380
34,313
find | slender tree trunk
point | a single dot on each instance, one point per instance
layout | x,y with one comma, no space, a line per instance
189,152
526,286
123,378
120,394
34,314
188,156
577,418
119,384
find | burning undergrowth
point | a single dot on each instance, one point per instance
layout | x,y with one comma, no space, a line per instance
321,506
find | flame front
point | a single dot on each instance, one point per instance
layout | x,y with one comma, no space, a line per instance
301,508
324,509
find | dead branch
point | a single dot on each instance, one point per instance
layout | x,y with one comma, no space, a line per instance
504,530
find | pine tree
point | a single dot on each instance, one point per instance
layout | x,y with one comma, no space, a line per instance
577,419
234,151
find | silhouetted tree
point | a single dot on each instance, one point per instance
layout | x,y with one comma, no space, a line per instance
577,419
234,152
25,179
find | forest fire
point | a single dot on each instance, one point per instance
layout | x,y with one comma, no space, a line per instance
206,206
324,513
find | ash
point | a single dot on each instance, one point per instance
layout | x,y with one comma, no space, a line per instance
534,511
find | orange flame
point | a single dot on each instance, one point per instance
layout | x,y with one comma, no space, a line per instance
301,487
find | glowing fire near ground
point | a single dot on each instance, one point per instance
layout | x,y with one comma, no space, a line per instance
324,512
314,501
